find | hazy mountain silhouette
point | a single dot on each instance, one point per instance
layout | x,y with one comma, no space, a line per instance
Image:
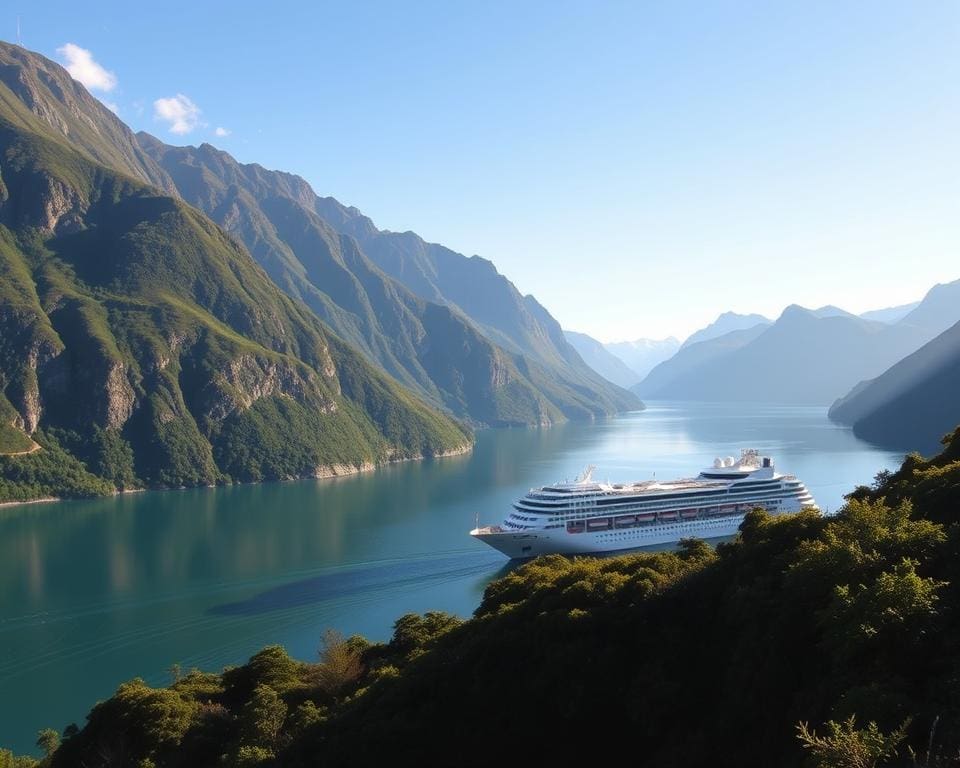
598,357
728,321
912,404
642,355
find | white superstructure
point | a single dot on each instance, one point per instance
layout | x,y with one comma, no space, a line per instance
584,516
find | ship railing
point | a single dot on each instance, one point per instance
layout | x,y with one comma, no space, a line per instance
487,529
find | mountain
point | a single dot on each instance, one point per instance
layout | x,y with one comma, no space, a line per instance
802,359
642,355
40,91
911,404
937,311
831,311
474,287
427,343
890,315
837,636
141,345
689,359
728,321
596,355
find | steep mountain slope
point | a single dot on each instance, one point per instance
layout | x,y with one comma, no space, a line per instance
432,348
801,359
642,355
911,404
473,286
138,337
37,87
724,324
689,359
604,362
938,310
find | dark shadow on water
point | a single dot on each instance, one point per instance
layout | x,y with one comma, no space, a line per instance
359,581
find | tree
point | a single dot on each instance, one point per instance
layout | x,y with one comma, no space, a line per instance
339,662
263,717
846,746
48,740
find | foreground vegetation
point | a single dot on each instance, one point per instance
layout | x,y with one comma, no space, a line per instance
808,641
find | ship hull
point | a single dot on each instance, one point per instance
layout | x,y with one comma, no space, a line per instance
520,545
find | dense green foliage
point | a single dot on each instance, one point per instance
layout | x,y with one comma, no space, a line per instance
149,348
49,472
807,641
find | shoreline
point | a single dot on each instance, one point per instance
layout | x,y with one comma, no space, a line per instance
42,500
323,472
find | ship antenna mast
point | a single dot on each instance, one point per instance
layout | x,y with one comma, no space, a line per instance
584,477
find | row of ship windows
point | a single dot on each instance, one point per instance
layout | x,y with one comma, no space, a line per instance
677,526
692,497
645,532
759,498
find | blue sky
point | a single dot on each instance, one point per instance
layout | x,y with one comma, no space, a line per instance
639,167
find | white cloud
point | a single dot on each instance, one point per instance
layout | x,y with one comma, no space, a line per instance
221,131
82,66
181,113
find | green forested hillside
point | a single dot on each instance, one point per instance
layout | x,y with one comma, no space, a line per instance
143,346
807,641
433,348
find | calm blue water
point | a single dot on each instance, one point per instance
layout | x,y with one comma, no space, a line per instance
93,593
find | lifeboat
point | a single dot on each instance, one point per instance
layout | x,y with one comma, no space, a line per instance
646,518
688,513
599,524
575,526
625,521
668,515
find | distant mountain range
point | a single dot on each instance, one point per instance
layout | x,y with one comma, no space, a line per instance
725,323
805,357
604,362
911,405
449,327
642,355
890,315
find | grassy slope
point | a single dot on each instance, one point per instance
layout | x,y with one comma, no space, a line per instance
12,440
702,657
64,109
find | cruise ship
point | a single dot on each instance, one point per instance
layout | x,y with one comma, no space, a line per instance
584,516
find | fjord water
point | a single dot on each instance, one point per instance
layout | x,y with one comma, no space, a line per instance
96,592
